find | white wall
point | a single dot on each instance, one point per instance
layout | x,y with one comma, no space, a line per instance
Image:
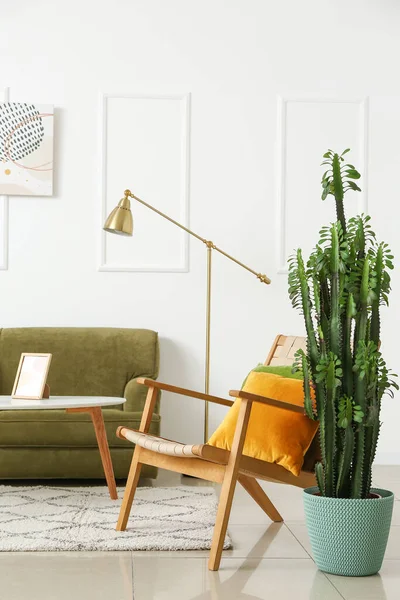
335,64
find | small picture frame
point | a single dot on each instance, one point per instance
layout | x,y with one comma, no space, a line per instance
30,381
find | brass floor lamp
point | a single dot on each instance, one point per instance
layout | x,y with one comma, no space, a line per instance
120,221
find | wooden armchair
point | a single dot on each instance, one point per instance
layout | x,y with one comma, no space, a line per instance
214,464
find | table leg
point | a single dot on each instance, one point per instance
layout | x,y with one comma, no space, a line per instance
101,436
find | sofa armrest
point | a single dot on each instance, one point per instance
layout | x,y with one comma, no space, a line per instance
135,395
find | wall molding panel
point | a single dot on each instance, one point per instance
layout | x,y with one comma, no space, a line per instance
4,203
134,151
338,115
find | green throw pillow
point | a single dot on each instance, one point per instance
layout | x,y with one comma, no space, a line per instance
282,371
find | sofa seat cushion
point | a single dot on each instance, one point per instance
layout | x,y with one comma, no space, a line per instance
64,463
56,428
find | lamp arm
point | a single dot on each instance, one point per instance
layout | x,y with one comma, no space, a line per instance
263,278
128,193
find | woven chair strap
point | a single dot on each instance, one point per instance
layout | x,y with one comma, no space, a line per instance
156,444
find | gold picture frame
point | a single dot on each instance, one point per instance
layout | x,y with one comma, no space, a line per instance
31,378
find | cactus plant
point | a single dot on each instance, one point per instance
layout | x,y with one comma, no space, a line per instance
339,292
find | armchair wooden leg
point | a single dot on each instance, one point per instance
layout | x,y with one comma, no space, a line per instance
221,522
136,466
129,494
228,486
255,490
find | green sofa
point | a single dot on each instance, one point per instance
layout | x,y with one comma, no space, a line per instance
86,362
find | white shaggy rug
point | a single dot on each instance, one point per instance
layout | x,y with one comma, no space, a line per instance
46,518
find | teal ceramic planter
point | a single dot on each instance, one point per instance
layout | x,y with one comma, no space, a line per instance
348,537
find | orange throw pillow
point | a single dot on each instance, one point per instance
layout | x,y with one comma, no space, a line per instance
274,435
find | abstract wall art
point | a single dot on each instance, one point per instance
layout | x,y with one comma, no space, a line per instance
26,149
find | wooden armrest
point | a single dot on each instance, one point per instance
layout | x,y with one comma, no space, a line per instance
177,390
269,401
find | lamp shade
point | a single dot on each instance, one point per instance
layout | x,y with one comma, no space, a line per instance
120,219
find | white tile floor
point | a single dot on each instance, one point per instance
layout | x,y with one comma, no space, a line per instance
267,561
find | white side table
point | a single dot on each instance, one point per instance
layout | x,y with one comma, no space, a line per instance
72,404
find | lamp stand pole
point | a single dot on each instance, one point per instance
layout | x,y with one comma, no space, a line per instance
208,341
124,205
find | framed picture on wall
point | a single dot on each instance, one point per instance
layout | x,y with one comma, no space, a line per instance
30,381
26,149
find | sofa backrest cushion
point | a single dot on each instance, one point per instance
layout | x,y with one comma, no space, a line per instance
86,361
